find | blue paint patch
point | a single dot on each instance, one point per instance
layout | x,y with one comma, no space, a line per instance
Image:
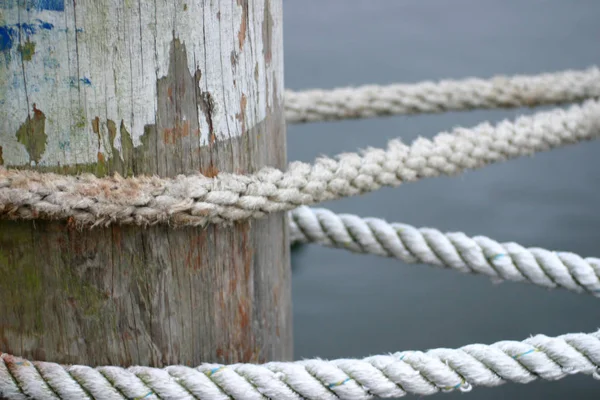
66,30
64,145
6,38
29,29
52,5
74,83
9,33
45,25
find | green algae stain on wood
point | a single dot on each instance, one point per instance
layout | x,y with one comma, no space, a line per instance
121,160
27,50
88,299
32,134
115,158
126,149
21,282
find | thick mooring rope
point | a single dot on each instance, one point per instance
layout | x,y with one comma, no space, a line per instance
198,200
479,254
447,95
391,375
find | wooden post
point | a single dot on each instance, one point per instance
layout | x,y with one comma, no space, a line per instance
143,87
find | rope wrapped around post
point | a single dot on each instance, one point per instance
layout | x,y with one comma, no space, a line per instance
389,375
199,200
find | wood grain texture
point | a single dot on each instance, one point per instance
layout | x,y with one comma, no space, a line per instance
157,296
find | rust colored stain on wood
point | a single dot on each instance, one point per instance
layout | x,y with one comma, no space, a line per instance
267,32
244,319
211,171
179,131
96,127
248,250
244,23
194,258
241,116
1,159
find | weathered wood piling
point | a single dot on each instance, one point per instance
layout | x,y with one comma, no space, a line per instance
137,87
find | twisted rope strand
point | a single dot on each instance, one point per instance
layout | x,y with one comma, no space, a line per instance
198,200
479,254
446,95
390,375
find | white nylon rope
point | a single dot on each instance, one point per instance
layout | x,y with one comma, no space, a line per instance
390,375
446,95
479,254
198,200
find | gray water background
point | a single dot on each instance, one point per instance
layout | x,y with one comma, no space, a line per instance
348,305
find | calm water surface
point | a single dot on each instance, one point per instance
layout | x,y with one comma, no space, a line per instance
348,305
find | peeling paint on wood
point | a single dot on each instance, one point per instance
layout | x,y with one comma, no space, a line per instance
87,59
112,88
244,23
32,135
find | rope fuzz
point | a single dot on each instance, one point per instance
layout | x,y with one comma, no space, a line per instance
198,200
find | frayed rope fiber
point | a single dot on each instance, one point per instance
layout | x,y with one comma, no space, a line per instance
198,200
388,375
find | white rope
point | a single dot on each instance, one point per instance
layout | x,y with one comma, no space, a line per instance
446,95
198,200
391,375
479,254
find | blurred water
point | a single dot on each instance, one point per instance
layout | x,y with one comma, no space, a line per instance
347,305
